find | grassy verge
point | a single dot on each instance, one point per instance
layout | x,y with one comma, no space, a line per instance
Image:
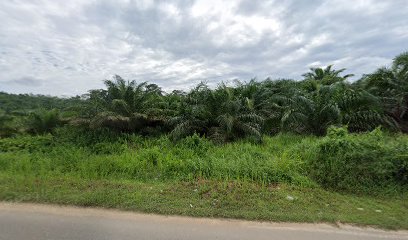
360,179
210,198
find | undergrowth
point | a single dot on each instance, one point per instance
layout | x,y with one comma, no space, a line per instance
359,163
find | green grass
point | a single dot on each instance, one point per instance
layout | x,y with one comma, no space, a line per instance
203,198
135,158
235,180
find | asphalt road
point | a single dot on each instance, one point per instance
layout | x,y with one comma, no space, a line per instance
44,222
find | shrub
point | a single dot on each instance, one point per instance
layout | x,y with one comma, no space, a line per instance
108,148
26,143
361,163
200,145
42,121
83,137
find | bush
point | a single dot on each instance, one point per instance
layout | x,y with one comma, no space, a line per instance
361,163
43,121
341,161
26,143
200,145
108,148
83,137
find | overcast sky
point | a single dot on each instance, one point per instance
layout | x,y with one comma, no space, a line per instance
68,47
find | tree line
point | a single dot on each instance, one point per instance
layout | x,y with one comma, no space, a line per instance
323,98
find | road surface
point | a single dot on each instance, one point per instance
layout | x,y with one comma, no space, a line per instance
44,222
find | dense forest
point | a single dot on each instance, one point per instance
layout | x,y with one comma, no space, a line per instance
250,110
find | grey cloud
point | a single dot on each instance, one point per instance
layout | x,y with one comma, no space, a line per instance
73,45
25,81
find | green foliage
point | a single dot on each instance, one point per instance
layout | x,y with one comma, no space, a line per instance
391,86
368,163
133,157
27,144
334,132
21,104
361,163
43,121
199,145
6,127
108,148
325,76
219,114
314,114
228,112
210,198
260,133
86,138
126,106
136,130
361,111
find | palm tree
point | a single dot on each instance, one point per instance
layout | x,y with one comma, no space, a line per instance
322,73
218,114
325,76
360,110
6,129
391,85
400,66
272,99
193,113
117,106
312,113
236,117
43,121
191,119
127,106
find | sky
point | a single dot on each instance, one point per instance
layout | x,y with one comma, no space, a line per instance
66,48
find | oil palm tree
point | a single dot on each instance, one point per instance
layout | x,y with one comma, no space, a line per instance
127,106
324,76
271,101
360,110
193,113
6,128
312,113
43,121
236,117
218,114
320,74
391,85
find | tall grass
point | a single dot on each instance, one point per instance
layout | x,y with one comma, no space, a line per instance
361,162
133,157
341,161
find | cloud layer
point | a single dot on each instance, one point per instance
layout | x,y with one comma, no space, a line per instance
68,47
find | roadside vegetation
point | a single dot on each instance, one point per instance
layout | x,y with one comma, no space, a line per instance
318,149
